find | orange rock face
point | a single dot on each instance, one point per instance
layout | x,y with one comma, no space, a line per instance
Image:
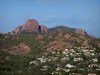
31,25
44,29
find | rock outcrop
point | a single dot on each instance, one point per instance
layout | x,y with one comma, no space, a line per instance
81,32
57,46
17,30
21,49
31,26
44,29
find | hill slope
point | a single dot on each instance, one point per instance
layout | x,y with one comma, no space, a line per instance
63,50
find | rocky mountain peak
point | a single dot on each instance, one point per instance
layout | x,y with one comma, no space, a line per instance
81,32
31,26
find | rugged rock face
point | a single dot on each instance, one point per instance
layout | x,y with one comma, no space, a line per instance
57,46
44,29
31,25
21,49
17,30
81,32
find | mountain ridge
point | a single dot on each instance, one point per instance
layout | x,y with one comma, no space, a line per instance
69,37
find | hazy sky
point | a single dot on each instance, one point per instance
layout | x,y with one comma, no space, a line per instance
83,14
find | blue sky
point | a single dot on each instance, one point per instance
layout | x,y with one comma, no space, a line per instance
83,14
